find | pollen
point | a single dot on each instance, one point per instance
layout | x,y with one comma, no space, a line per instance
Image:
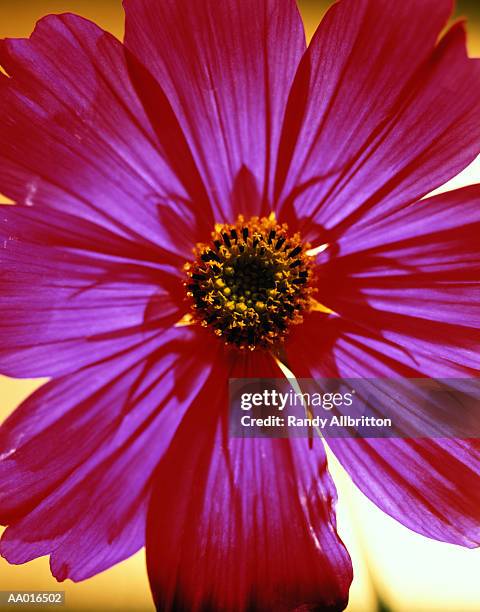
251,283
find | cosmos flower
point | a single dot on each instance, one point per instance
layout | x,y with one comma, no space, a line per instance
211,199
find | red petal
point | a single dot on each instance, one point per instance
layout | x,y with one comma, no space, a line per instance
72,293
243,524
79,139
411,281
386,116
226,68
77,458
430,485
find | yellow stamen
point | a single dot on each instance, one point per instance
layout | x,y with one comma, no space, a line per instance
6,201
292,379
317,250
185,321
318,307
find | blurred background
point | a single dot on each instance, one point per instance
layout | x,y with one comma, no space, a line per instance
395,569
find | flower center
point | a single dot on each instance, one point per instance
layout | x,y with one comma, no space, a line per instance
251,283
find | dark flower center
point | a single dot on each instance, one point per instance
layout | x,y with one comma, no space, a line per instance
251,282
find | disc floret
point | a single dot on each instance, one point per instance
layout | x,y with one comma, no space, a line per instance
251,283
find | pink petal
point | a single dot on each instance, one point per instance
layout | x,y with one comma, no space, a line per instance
226,68
386,116
79,139
243,523
78,456
73,294
430,485
411,281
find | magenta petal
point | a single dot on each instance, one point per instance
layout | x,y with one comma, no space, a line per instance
72,293
411,283
243,524
406,290
386,116
226,68
78,456
430,485
79,139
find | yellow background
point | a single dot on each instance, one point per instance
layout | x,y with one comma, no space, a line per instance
411,573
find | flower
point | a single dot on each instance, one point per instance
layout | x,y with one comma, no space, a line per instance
139,172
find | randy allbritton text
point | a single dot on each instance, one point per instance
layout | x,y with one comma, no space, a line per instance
314,421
